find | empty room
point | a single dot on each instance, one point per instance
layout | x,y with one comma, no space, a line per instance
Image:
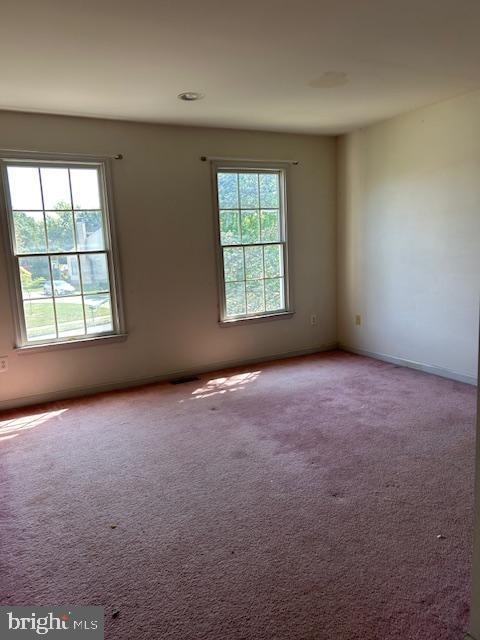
239,302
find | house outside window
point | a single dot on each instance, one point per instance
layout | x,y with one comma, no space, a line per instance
62,260
252,241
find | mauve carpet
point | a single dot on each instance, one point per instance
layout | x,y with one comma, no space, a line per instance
297,500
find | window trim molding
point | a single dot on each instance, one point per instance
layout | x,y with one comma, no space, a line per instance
91,341
260,165
48,159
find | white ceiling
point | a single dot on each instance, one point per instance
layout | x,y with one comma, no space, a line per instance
262,64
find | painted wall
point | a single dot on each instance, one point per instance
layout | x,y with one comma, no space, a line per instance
164,219
409,237
474,623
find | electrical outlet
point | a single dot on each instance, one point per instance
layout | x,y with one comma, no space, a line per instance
358,319
3,364
313,319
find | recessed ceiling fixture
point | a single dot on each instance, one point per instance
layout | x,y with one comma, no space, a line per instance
190,96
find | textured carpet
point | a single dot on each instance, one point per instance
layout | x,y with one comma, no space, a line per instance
297,500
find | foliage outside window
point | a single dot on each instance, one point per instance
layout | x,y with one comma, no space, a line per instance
251,222
60,246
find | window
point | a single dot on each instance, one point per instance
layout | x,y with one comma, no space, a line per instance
61,252
252,242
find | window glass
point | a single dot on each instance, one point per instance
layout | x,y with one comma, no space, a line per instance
60,249
251,223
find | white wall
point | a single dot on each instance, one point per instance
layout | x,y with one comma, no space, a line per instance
166,240
474,623
409,237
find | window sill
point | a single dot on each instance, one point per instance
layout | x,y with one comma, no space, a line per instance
69,344
272,316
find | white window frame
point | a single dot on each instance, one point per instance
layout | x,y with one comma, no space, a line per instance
252,167
32,159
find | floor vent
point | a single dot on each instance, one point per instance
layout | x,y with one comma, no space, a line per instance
184,380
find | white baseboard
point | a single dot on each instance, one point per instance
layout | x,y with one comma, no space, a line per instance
403,362
77,392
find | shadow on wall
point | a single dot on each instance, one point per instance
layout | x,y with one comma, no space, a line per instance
12,427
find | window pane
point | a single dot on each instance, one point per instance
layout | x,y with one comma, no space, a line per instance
89,226
70,316
270,225
98,313
56,188
60,230
273,260
235,298
66,277
253,263
39,319
274,294
230,227
233,264
34,276
29,232
227,190
94,272
85,188
250,222
58,213
248,185
250,214
269,191
255,300
24,186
